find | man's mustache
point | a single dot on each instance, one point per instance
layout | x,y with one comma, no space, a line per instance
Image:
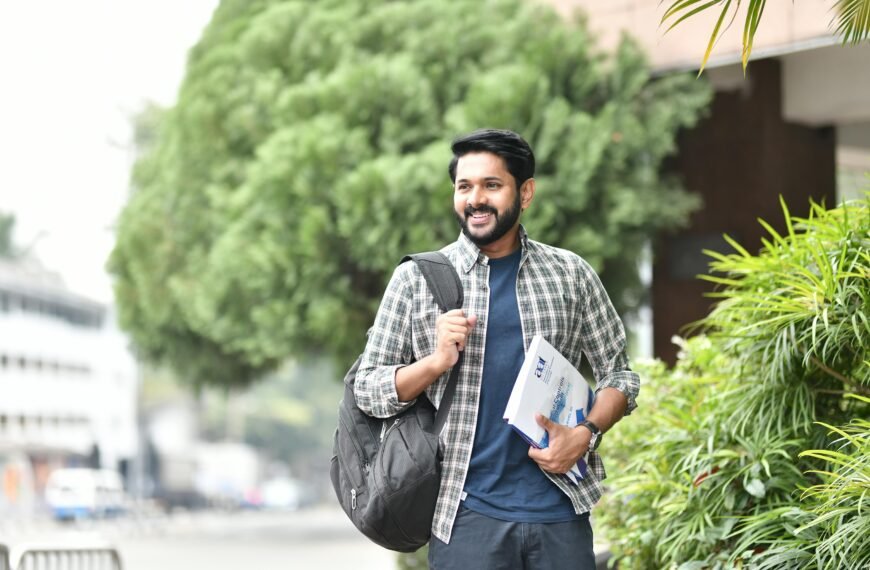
469,211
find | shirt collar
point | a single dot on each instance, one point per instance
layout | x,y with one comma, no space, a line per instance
469,254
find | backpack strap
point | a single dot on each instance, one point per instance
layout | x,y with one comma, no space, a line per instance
446,288
441,277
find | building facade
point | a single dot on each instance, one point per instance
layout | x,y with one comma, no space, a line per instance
68,384
797,125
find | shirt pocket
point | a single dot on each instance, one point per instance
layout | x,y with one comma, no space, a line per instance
551,316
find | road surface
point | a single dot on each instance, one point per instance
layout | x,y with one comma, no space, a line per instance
320,538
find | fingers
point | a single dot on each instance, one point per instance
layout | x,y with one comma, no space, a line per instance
454,327
563,451
543,457
547,460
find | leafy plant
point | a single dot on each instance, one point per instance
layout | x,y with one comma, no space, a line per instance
831,528
842,501
717,479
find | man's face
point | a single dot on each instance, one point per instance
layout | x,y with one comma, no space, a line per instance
485,197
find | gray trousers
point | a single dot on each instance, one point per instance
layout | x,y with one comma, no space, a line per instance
485,543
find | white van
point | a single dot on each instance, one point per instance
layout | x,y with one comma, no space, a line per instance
84,493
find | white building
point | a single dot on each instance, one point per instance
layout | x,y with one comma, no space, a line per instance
68,383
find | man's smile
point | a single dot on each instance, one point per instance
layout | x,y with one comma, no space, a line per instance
480,218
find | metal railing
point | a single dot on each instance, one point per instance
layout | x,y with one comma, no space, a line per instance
37,556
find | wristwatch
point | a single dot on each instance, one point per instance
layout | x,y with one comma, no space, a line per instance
596,434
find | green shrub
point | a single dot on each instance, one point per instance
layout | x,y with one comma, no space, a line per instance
713,471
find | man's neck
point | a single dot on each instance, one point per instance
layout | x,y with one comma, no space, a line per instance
504,246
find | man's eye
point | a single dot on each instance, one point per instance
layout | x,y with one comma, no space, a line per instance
493,185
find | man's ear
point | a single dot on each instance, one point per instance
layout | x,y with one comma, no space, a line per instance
527,192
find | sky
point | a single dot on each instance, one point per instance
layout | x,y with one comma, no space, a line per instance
72,74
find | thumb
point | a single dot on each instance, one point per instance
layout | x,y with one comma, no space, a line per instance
472,320
544,421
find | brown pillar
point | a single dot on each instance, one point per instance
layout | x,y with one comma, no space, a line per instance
740,159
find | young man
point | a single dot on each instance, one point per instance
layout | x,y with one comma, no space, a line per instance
501,504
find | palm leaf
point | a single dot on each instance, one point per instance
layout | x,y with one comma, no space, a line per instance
853,20
753,17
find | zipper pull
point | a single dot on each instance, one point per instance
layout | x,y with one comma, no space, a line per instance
353,499
383,430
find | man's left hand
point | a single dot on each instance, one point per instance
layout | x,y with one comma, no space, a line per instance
567,445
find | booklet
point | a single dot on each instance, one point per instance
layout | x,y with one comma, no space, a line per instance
548,385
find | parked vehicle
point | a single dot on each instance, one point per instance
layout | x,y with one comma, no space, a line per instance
78,493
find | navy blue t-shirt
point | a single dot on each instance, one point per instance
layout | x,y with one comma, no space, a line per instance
502,481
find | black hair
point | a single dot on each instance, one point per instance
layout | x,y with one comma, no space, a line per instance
515,151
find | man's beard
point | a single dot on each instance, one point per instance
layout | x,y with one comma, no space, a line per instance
503,222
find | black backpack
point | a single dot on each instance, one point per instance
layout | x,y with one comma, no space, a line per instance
386,472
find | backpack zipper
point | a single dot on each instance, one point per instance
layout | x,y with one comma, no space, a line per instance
353,499
384,428
359,454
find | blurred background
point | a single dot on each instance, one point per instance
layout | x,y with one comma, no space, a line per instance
202,202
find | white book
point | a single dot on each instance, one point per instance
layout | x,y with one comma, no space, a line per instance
548,385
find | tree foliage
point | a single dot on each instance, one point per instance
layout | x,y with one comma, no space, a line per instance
7,245
755,444
286,415
308,149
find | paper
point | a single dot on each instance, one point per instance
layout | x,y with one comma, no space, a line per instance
548,385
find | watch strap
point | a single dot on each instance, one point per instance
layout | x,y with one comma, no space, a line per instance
595,440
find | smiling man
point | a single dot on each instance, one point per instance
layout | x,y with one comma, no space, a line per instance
501,504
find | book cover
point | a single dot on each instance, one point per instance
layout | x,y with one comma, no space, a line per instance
548,385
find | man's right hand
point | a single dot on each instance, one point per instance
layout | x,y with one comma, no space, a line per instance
451,333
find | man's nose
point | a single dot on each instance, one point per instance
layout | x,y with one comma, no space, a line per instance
476,197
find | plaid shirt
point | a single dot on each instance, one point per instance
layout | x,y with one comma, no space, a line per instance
559,296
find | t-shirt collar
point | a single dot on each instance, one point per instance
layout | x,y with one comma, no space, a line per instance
469,253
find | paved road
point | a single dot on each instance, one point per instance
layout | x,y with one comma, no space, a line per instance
320,538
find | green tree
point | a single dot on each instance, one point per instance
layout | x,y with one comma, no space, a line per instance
286,415
308,149
852,20
738,466
7,245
